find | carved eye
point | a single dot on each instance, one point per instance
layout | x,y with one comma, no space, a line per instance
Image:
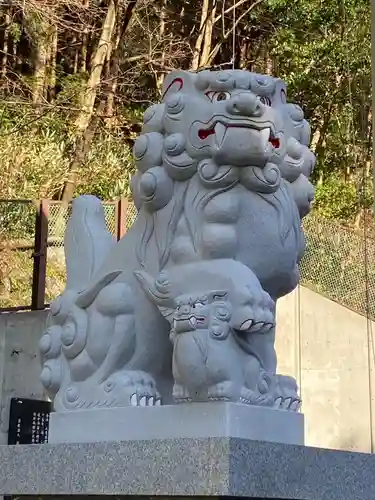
221,296
218,96
265,100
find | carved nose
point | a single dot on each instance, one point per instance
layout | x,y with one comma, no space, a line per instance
245,104
185,309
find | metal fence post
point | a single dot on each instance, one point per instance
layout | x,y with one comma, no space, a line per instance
121,217
40,256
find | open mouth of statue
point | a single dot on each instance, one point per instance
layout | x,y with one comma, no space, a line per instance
219,130
188,323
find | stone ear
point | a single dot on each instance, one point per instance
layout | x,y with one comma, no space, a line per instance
158,292
86,297
177,81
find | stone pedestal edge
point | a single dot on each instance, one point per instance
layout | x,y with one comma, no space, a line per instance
193,421
186,467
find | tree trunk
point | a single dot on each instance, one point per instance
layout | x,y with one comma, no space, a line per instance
4,59
200,37
83,54
84,39
114,66
110,84
163,14
87,121
318,140
40,68
91,88
52,63
76,54
81,150
244,54
267,62
207,41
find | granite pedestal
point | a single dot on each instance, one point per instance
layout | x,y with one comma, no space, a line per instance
187,467
207,420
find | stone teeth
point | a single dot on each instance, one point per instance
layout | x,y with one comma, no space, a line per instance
220,131
265,137
193,321
246,325
257,327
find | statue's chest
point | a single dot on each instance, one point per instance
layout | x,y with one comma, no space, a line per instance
269,234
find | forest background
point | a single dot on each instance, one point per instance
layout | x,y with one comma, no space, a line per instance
76,76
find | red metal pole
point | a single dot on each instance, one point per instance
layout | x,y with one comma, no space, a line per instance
40,256
121,217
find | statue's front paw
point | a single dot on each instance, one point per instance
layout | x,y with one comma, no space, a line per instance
286,394
134,388
257,316
224,391
181,394
123,388
259,389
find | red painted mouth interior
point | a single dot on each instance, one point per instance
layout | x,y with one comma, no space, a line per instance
204,133
275,142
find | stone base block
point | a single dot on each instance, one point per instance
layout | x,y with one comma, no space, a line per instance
194,421
190,468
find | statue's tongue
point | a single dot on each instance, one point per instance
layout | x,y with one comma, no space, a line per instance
241,146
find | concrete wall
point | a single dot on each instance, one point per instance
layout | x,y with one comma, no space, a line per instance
328,348
325,346
19,360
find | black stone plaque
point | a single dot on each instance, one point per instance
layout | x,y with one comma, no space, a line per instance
28,421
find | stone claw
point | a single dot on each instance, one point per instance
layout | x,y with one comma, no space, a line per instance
256,327
285,405
277,403
267,327
136,400
295,405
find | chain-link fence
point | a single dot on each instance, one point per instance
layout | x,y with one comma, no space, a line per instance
58,216
131,214
17,239
338,262
26,263
116,214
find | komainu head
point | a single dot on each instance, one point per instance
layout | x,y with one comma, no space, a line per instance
212,121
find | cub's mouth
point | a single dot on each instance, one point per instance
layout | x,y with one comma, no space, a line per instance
187,323
219,130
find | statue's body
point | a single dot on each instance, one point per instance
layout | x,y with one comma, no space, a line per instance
185,302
